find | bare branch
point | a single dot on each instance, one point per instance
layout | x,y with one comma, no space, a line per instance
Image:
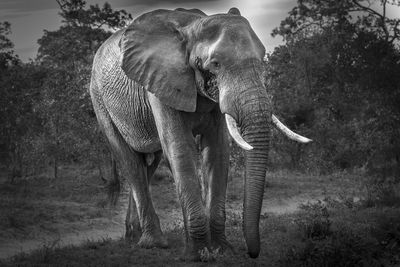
368,9
384,8
396,32
62,6
382,17
98,26
307,25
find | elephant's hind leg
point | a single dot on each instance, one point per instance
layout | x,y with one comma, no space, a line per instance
132,224
149,222
136,171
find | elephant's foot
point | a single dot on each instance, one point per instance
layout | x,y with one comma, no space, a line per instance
153,241
222,246
193,254
195,251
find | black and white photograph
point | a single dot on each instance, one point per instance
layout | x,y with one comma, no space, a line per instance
200,133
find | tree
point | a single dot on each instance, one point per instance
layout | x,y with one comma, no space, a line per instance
82,32
338,76
45,108
19,120
67,54
362,15
75,15
7,55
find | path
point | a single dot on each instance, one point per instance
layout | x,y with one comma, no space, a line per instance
114,228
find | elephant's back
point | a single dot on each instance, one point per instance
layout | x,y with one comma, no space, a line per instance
123,99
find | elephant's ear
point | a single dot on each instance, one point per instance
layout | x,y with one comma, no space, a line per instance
154,55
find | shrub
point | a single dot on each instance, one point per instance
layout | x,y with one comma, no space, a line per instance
387,232
382,192
362,237
313,220
341,248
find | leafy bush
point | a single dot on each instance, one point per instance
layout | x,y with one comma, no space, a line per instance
382,192
314,221
387,232
342,248
344,232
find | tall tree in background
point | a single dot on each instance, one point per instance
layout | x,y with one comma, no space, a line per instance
312,16
8,61
19,122
7,55
338,76
66,54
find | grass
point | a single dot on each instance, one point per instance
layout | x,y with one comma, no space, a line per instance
349,220
365,237
369,237
38,205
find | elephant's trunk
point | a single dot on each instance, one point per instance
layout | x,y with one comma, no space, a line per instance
252,134
253,195
244,97
257,134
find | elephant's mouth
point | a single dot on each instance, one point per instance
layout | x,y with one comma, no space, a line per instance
208,86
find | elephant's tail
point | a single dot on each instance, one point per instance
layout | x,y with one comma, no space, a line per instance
113,191
113,186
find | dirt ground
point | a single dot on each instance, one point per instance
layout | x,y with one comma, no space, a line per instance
41,213
109,223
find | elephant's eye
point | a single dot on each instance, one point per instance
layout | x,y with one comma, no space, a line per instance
215,64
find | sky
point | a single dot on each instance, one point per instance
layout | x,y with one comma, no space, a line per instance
29,18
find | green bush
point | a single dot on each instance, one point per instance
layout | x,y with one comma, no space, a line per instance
341,232
341,248
387,232
382,192
314,221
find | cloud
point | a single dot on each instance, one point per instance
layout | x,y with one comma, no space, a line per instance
27,28
29,18
26,53
26,5
5,16
11,6
159,2
279,5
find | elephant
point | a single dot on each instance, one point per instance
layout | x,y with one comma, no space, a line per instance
172,75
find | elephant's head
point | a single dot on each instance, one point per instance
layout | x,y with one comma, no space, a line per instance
178,55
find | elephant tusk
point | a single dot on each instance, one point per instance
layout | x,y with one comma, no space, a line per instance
234,132
289,133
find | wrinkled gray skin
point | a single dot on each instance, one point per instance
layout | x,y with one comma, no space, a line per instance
172,75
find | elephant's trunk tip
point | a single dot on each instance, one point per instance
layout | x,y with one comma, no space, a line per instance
254,252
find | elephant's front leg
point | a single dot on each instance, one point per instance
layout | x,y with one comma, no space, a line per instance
179,147
215,153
